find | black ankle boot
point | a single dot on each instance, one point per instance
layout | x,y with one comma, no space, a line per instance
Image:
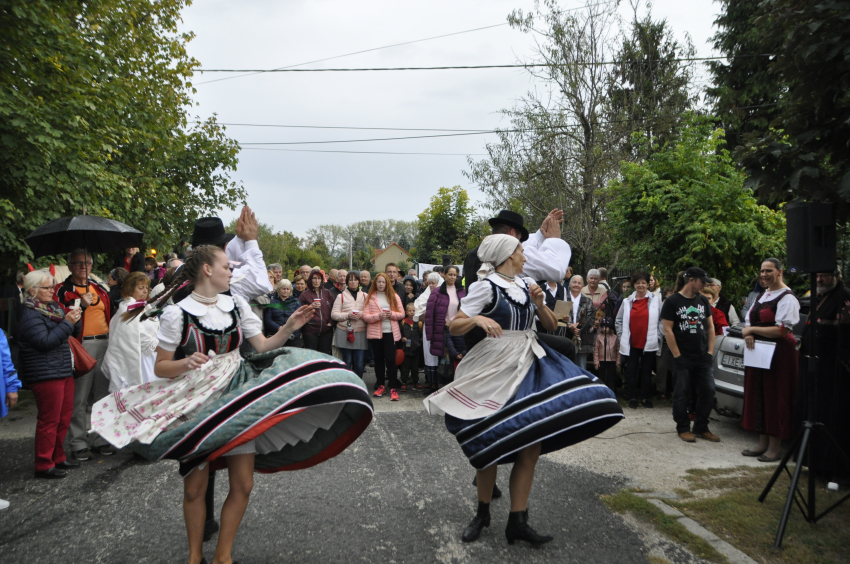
481,520
519,529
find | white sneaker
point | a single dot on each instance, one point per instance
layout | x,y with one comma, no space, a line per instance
3,504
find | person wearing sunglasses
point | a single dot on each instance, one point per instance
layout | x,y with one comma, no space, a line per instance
80,290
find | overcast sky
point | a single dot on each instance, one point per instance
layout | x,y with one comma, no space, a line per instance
296,190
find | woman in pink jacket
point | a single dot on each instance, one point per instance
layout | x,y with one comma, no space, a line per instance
382,313
350,334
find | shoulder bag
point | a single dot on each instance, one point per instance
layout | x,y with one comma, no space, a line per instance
83,362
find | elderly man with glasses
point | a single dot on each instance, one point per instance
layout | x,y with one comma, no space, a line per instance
80,289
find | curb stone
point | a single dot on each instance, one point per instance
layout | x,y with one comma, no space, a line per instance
731,553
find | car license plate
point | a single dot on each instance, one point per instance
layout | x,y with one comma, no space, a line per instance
733,361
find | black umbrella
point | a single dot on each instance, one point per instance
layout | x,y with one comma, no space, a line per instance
93,233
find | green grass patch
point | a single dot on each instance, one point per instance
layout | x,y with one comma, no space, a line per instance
736,515
627,502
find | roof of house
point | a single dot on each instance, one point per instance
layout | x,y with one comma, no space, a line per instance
392,244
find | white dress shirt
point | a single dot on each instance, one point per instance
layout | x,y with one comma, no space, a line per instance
546,259
250,278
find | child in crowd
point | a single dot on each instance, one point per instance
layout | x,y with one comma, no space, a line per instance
153,271
456,348
606,353
411,339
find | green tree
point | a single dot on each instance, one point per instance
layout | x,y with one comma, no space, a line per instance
447,226
686,205
804,151
743,91
558,151
650,85
94,113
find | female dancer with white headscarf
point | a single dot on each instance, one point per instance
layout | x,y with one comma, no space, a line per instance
514,398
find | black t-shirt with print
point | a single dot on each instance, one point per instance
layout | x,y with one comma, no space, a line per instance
690,320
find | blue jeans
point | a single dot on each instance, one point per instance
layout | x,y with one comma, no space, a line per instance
354,360
692,375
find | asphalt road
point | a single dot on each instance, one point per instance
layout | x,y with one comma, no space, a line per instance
401,493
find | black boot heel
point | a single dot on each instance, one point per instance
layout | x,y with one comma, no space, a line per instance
481,520
519,529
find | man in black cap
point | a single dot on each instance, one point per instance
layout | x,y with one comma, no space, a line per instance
689,330
547,257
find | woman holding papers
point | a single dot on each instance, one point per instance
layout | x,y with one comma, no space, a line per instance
769,393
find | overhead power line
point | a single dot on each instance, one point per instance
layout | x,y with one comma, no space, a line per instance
466,67
364,152
479,132
341,127
249,73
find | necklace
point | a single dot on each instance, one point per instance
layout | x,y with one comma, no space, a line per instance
508,278
204,300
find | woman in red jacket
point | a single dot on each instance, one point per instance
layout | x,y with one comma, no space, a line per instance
318,333
382,313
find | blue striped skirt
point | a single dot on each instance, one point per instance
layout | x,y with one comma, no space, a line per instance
557,404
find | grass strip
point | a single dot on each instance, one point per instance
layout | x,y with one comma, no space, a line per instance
625,501
728,506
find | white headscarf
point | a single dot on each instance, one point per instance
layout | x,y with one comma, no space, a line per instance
493,251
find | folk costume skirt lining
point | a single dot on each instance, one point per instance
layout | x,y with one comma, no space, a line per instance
556,404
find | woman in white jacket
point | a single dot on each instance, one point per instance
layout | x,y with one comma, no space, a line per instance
130,357
431,362
638,326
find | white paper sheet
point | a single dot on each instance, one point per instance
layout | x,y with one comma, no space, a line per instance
760,356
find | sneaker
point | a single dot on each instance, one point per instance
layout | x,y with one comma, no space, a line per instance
393,395
403,388
106,450
647,403
3,504
633,404
379,392
82,454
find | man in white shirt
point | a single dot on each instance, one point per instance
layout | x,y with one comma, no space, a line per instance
547,257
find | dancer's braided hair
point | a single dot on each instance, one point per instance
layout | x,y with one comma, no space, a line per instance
190,271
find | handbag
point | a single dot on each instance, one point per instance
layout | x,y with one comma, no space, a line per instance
445,370
350,335
83,362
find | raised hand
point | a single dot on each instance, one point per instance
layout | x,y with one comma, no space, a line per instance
247,226
551,226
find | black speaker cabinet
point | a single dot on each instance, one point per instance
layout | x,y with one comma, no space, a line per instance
811,236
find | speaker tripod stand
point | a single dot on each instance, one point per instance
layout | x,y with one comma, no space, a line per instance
802,445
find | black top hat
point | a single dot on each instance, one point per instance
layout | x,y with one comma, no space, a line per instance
698,273
210,231
512,219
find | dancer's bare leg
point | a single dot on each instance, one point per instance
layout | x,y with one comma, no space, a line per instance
194,511
774,446
486,481
522,476
240,470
